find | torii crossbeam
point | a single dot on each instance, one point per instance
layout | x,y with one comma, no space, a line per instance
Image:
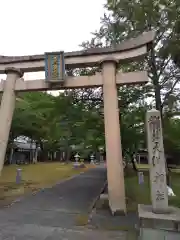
109,78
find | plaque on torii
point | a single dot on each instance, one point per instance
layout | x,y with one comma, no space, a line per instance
54,67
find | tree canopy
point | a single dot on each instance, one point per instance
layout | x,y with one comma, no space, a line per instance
75,117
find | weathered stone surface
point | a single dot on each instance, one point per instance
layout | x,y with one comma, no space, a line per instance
158,221
156,157
167,221
143,39
6,110
148,234
132,49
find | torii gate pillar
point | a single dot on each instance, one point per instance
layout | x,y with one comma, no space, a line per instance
115,172
7,109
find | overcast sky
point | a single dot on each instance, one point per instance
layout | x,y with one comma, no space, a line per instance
37,26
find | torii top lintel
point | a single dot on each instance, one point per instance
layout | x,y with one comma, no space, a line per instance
127,50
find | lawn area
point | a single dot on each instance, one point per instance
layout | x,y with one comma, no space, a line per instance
140,194
34,178
145,167
142,166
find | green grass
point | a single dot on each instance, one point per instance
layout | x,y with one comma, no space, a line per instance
146,167
140,194
82,219
142,166
34,178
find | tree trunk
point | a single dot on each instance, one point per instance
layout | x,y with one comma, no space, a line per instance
36,156
134,164
67,151
11,155
31,152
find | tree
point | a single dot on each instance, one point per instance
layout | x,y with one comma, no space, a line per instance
76,116
126,19
31,114
57,122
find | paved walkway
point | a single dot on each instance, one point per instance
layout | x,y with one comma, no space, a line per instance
52,213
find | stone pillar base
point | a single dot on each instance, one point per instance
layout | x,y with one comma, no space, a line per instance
104,198
159,225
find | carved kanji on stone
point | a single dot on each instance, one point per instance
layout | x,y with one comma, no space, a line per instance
155,124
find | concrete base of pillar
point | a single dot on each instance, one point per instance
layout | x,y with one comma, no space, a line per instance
167,221
104,199
117,212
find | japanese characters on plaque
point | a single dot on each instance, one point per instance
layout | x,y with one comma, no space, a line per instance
54,66
157,161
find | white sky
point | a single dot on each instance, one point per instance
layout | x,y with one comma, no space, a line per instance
37,26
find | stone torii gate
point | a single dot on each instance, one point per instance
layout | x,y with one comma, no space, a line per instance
109,78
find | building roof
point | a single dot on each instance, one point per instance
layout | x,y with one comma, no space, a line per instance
23,145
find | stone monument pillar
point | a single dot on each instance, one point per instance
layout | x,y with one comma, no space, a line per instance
115,171
7,109
157,221
156,156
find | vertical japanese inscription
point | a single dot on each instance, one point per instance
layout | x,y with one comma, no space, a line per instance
159,177
54,66
157,161
154,127
159,195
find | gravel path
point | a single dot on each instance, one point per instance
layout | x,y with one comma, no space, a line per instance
52,213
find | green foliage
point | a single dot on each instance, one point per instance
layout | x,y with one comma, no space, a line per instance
126,19
172,135
58,121
75,117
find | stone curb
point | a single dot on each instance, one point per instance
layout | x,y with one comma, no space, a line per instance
92,206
